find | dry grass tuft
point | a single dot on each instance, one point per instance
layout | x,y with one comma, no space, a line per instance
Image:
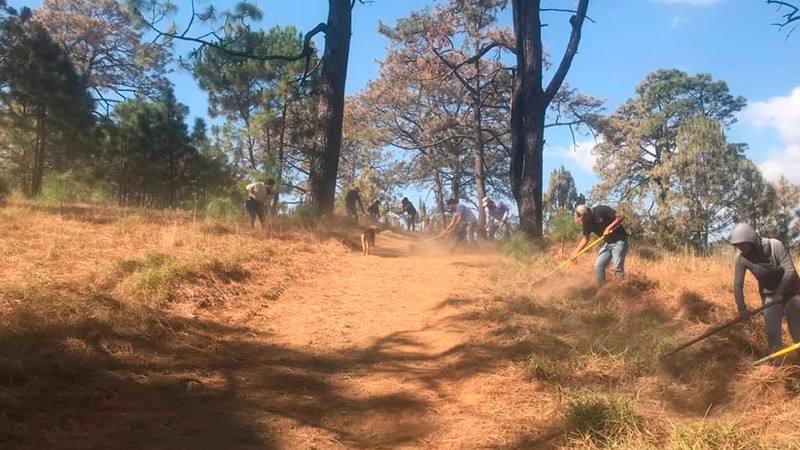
714,436
609,340
765,384
114,315
601,421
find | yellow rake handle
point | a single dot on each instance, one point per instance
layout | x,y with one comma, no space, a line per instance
585,249
781,352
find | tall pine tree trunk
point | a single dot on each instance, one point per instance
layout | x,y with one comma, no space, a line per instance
330,111
480,173
529,106
438,189
527,118
281,153
531,210
455,182
39,153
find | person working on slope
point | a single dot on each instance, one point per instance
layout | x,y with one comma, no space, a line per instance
374,211
496,217
778,282
463,225
411,214
606,222
352,198
258,196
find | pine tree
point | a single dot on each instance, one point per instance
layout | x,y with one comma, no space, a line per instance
562,194
783,219
44,105
702,170
641,135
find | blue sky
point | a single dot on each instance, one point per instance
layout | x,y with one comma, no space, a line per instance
730,39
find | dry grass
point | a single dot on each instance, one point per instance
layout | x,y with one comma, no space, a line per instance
608,342
119,327
120,313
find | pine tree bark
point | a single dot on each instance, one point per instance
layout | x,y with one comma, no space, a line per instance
480,173
330,111
281,157
40,150
438,190
529,107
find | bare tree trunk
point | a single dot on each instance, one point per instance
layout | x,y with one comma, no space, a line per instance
281,149
251,144
531,207
438,190
529,106
455,183
480,173
330,111
39,153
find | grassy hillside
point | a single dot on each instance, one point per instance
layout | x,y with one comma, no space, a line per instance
141,329
111,318
593,357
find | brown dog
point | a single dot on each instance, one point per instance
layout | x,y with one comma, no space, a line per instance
368,240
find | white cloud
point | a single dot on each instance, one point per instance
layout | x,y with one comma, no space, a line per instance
783,115
677,21
582,152
690,2
786,162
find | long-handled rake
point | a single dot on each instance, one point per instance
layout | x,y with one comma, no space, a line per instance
780,352
565,263
427,241
717,329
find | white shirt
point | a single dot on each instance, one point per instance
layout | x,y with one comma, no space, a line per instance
258,191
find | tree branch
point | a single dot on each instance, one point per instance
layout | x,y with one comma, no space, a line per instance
569,54
792,16
476,57
222,46
572,11
454,71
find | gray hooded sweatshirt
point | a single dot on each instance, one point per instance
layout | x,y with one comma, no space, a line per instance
770,263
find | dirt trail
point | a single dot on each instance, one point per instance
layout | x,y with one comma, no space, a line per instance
385,352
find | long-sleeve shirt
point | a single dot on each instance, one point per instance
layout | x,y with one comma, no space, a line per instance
409,209
258,192
351,199
773,268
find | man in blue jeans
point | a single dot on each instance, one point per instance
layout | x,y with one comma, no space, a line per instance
606,222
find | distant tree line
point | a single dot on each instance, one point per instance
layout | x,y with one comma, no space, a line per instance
460,108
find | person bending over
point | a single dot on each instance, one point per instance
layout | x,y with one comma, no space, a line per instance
771,264
606,222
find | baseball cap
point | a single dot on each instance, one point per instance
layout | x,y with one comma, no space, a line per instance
580,211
